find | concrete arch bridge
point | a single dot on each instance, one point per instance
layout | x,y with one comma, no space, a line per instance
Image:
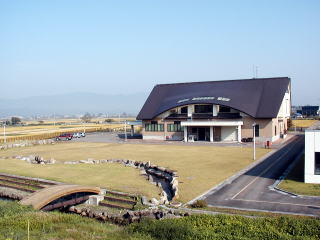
59,196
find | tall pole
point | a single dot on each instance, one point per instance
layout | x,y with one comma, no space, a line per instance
4,132
254,141
125,130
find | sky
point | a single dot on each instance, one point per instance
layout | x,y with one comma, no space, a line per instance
125,47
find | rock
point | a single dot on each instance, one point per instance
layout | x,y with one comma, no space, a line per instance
150,178
144,200
162,169
72,209
154,201
174,183
52,161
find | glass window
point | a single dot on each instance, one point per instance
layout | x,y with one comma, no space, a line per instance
224,109
257,130
184,109
176,127
317,163
150,127
203,108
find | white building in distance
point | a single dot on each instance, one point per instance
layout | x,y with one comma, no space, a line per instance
312,154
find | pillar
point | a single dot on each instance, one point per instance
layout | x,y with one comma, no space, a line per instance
185,133
211,133
190,110
239,133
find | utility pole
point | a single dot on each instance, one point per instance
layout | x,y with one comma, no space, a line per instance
125,130
4,132
254,140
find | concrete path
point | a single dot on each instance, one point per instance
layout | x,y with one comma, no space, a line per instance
252,190
113,137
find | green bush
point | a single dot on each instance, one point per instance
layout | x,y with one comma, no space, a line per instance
162,230
230,227
199,204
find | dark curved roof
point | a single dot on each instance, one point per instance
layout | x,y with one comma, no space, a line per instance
257,97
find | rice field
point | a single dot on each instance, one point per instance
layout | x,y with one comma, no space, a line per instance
33,130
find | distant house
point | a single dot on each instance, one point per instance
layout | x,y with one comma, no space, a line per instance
218,110
312,154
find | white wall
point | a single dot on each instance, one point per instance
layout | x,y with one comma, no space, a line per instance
312,145
285,108
148,137
229,134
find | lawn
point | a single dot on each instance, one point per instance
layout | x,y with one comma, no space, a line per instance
303,123
111,176
294,182
199,167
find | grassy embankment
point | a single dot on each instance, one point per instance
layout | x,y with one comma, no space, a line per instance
54,225
199,167
294,182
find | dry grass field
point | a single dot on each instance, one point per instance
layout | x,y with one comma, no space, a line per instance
42,131
303,123
199,167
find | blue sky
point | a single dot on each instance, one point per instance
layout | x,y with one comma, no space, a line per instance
53,47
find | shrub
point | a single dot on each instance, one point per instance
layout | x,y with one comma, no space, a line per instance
199,204
162,230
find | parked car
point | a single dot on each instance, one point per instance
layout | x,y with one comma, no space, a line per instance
76,135
65,136
83,134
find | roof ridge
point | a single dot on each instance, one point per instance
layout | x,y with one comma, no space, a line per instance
214,81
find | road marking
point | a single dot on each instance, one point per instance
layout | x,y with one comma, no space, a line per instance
282,203
276,161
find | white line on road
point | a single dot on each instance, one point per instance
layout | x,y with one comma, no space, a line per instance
244,188
282,203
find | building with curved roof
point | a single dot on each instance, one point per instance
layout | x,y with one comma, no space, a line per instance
218,110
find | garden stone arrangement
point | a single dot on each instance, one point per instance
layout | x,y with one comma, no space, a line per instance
128,216
164,178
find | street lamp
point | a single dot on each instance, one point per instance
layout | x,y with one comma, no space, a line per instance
125,130
254,140
4,132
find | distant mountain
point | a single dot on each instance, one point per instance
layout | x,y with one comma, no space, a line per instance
76,103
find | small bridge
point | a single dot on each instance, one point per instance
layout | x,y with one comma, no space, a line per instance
59,196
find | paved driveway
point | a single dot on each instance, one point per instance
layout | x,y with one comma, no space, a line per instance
252,190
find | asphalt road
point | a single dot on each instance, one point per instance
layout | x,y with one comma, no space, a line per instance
252,190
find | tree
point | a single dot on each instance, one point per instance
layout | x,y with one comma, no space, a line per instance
87,117
15,120
290,123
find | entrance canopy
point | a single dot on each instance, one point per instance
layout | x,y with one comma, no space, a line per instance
212,123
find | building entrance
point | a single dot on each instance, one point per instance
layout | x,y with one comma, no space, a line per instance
201,133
